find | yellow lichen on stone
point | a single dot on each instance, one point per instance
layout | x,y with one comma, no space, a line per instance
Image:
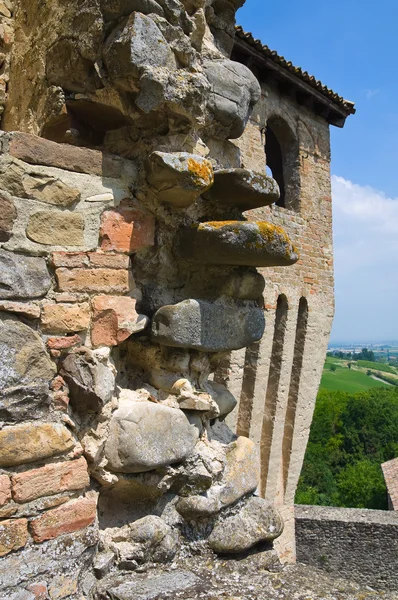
218,224
202,170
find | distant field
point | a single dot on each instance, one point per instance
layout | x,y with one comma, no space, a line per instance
348,380
367,364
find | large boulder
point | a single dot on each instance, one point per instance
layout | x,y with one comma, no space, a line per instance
144,436
207,326
23,276
243,188
234,92
257,521
133,45
236,243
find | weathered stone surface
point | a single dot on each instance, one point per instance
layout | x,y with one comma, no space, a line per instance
240,477
148,539
39,151
243,188
55,228
24,358
69,517
127,228
115,281
49,190
114,320
29,442
90,382
206,326
225,401
23,276
24,402
244,285
8,215
67,68
63,343
242,471
256,521
179,178
153,586
121,8
5,489
239,243
50,479
65,318
136,43
144,436
234,92
13,535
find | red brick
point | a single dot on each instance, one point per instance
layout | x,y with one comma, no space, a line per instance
116,281
109,260
65,318
113,319
62,343
69,259
69,517
50,479
13,535
127,229
5,489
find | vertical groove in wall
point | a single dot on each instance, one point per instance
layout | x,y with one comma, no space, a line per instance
271,396
247,393
301,331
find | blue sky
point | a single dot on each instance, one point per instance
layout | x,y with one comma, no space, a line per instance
352,47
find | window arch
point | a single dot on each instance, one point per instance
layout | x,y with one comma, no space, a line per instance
282,159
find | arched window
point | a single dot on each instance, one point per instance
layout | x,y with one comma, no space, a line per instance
282,157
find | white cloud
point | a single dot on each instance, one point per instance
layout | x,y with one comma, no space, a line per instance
365,225
370,93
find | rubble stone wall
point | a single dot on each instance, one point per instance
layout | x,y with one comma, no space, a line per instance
148,283
360,545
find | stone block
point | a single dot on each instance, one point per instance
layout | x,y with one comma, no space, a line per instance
126,229
50,479
109,260
8,214
21,402
70,259
114,320
179,178
29,442
24,358
49,190
69,517
65,318
234,92
116,281
91,383
39,151
5,489
134,44
39,590
23,276
257,521
237,243
207,327
243,188
13,535
122,8
55,228
144,436
172,584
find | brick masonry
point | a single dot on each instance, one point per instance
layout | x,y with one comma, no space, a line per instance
360,545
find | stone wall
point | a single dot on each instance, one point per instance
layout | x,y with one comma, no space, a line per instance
357,544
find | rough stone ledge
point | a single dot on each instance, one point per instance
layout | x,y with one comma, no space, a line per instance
346,515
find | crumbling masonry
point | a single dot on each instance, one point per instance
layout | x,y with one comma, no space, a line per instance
165,304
